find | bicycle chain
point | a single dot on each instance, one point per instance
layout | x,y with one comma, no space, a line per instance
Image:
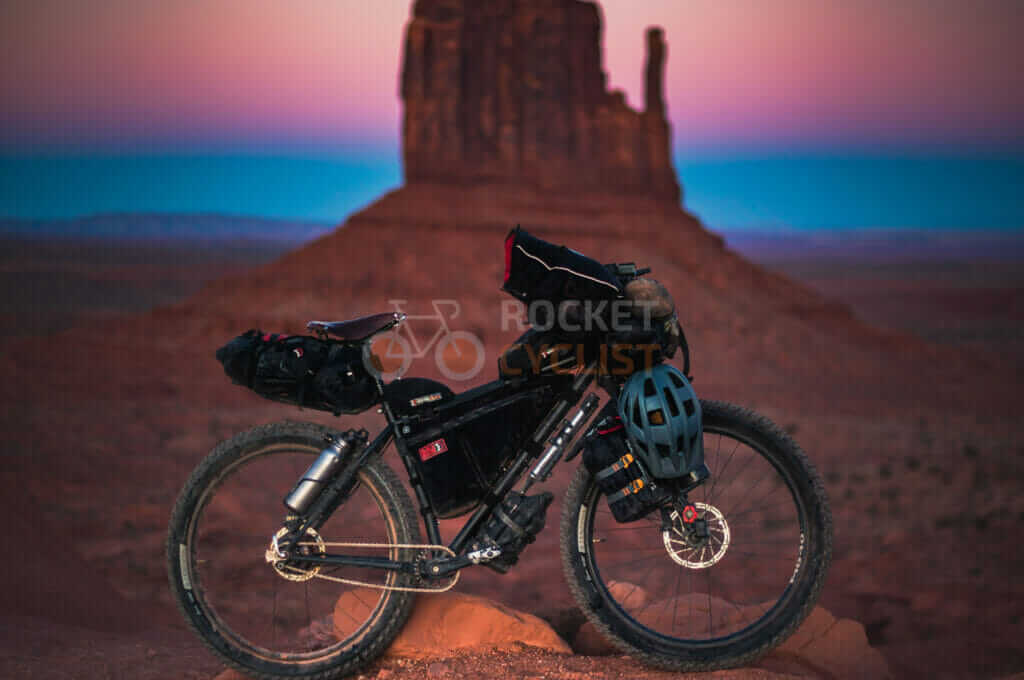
378,586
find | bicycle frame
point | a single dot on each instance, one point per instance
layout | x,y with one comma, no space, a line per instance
339,489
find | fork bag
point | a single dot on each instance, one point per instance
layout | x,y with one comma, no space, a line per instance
629,490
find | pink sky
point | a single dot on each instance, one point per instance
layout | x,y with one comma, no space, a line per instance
741,73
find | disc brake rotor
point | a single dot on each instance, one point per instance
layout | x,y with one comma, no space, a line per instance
314,544
693,553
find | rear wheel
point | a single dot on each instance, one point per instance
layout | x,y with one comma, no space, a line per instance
270,620
699,600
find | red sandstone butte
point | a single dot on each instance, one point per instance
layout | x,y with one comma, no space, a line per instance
513,92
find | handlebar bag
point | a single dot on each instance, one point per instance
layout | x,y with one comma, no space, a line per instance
536,270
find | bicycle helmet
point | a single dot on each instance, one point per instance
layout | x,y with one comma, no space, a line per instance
662,416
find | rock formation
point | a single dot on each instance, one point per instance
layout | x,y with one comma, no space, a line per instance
442,625
513,92
823,646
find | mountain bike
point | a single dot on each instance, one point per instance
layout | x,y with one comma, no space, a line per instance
295,550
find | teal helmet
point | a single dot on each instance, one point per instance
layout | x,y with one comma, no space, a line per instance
662,417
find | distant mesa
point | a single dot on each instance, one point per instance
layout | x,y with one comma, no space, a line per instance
514,92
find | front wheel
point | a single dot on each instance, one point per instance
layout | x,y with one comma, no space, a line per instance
266,619
721,597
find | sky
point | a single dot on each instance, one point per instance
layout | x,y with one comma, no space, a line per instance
785,113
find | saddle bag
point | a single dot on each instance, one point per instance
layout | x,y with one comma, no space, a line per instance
513,525
631,493
301,370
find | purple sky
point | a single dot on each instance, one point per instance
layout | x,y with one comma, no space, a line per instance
248,74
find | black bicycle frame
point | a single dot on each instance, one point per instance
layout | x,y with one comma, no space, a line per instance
339,489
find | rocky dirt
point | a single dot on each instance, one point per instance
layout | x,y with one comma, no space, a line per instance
456,635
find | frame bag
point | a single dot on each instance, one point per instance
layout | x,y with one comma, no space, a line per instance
461,444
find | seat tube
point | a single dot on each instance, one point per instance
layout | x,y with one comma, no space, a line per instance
426,510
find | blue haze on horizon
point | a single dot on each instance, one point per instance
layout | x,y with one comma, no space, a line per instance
754,191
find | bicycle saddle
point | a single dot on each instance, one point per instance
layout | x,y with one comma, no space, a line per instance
359,329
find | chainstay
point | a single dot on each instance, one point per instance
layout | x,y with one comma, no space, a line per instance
355,582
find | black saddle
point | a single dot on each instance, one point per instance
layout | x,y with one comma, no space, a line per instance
357,330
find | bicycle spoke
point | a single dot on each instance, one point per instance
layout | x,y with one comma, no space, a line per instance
733,517
721,473
754,505
675,606
230,573
744,496
309,619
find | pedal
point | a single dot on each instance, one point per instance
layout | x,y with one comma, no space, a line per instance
485,554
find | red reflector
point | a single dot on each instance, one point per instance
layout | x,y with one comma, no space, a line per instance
434,448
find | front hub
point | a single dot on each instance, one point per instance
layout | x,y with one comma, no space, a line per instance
697,536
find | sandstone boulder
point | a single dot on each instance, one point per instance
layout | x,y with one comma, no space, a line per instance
830,647
457,625
822,647
443,624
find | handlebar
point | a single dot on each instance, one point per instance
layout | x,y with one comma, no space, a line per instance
627,271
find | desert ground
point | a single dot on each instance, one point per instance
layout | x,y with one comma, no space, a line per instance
112,396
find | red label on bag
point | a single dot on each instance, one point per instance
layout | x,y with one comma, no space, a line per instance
508,255
434,448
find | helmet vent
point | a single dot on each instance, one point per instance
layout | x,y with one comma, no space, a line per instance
636,414
693,442
670,399
681,442
689,407
663,450
676,380
649,390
